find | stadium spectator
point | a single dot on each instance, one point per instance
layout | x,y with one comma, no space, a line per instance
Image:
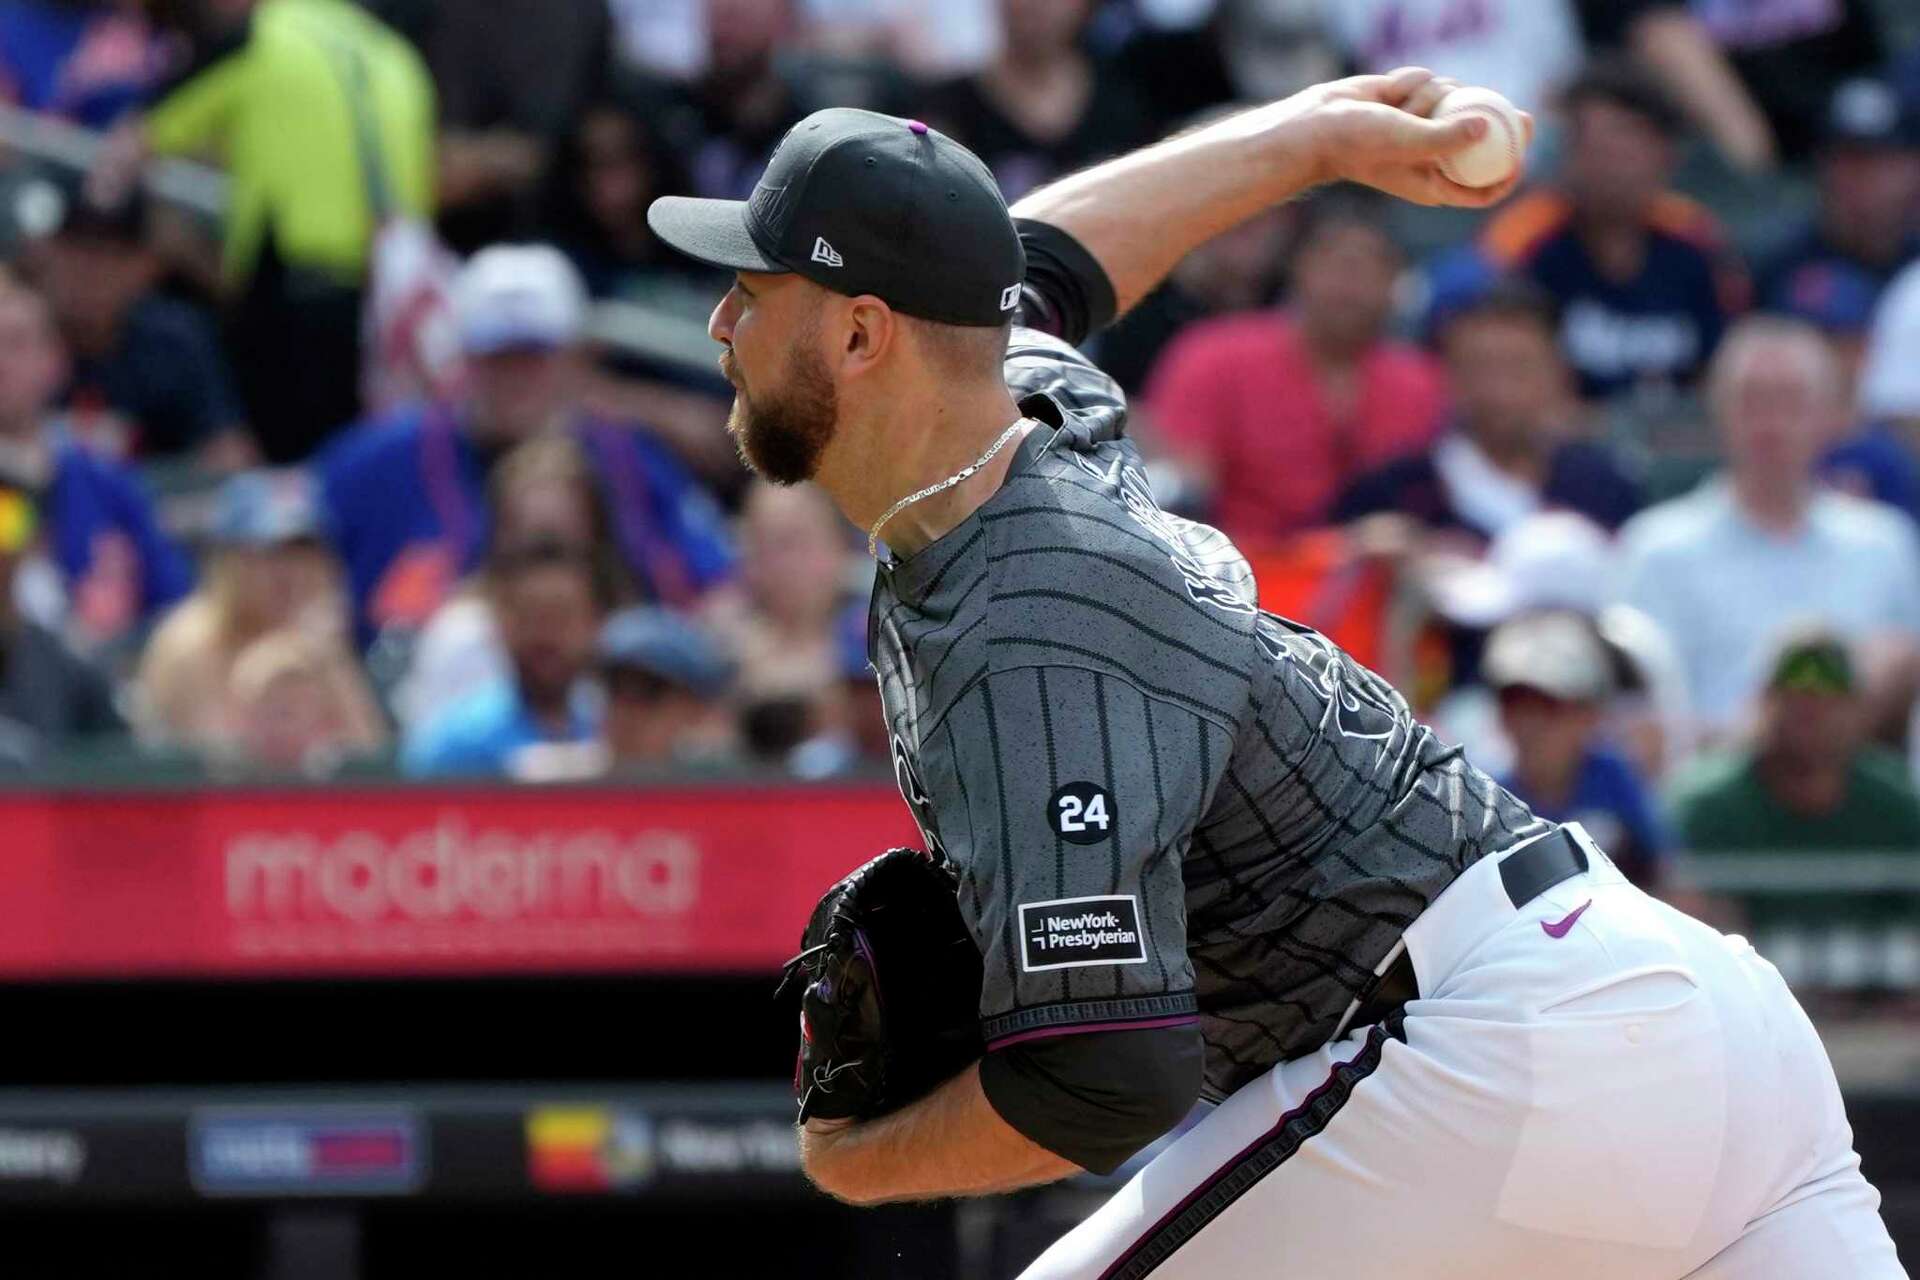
795,564
798,632
1665,37
1044,106
406,494
1868,222
1556,562
744,100
1511,449
1643,280
666,683
50,697
511,78
1524,49
1809,781
609,169
88,63
543,492
1868,458
1792,56
1724,567
115,569
610,166
1238,270
298,705
1268,50
1528,49
323,118
1273,413
269,571
148,376
1553,676
549,603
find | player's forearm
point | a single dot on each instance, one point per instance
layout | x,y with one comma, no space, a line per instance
949,1143
1140,214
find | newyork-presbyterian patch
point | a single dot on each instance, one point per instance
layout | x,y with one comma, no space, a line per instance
1068,933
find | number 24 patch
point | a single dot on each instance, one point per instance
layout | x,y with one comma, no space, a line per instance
1082,813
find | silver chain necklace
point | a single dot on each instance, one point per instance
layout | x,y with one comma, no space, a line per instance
965,473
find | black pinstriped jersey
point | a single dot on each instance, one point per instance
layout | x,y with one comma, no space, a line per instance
1162,802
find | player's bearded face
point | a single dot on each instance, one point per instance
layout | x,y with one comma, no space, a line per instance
781,431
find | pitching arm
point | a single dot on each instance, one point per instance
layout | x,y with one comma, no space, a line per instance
1140,214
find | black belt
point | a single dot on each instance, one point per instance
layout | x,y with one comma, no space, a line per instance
1525,875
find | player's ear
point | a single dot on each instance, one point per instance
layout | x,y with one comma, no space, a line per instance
870,332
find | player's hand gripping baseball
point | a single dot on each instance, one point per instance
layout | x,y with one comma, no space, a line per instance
1376,130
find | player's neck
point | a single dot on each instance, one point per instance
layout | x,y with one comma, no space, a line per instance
910,443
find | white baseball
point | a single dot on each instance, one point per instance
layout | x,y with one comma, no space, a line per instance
1497,156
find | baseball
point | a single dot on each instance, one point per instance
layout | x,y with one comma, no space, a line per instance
1494,158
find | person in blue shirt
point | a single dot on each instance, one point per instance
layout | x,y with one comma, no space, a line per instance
1553,676
1869,173
406,494
116,569
147,376
1643,277
549,604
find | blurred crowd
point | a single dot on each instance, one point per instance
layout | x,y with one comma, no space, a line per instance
344,466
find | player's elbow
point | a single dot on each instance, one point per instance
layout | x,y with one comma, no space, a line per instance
1097,1098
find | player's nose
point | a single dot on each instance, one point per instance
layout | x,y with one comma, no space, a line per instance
720,323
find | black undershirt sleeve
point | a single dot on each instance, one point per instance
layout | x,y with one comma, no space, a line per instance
1098,1097
1066,292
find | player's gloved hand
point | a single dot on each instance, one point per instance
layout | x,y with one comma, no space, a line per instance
890,1006
1376,130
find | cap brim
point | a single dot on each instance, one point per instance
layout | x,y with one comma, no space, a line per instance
710,231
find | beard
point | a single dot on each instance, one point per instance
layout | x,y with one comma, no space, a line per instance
781,435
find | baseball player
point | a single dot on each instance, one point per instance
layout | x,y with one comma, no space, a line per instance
1201,851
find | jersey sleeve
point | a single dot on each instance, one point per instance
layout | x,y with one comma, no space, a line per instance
1066,292
1064,797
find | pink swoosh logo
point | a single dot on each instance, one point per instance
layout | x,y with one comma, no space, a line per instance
1558,929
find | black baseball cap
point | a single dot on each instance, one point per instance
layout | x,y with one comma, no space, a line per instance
866,203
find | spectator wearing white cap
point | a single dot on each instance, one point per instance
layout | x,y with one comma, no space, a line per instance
1553,675
1763,545
406,493
1561,562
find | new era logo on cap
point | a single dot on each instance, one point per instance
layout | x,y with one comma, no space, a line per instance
1010,297
826,253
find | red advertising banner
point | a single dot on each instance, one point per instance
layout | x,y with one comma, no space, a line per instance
425,881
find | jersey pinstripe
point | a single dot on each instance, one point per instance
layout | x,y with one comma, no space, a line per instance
1161,801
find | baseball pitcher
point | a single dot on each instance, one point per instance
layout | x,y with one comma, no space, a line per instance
1178,848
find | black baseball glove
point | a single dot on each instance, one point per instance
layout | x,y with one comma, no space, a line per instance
890,1005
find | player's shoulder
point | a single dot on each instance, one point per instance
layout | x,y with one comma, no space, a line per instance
1083,569
1052,380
